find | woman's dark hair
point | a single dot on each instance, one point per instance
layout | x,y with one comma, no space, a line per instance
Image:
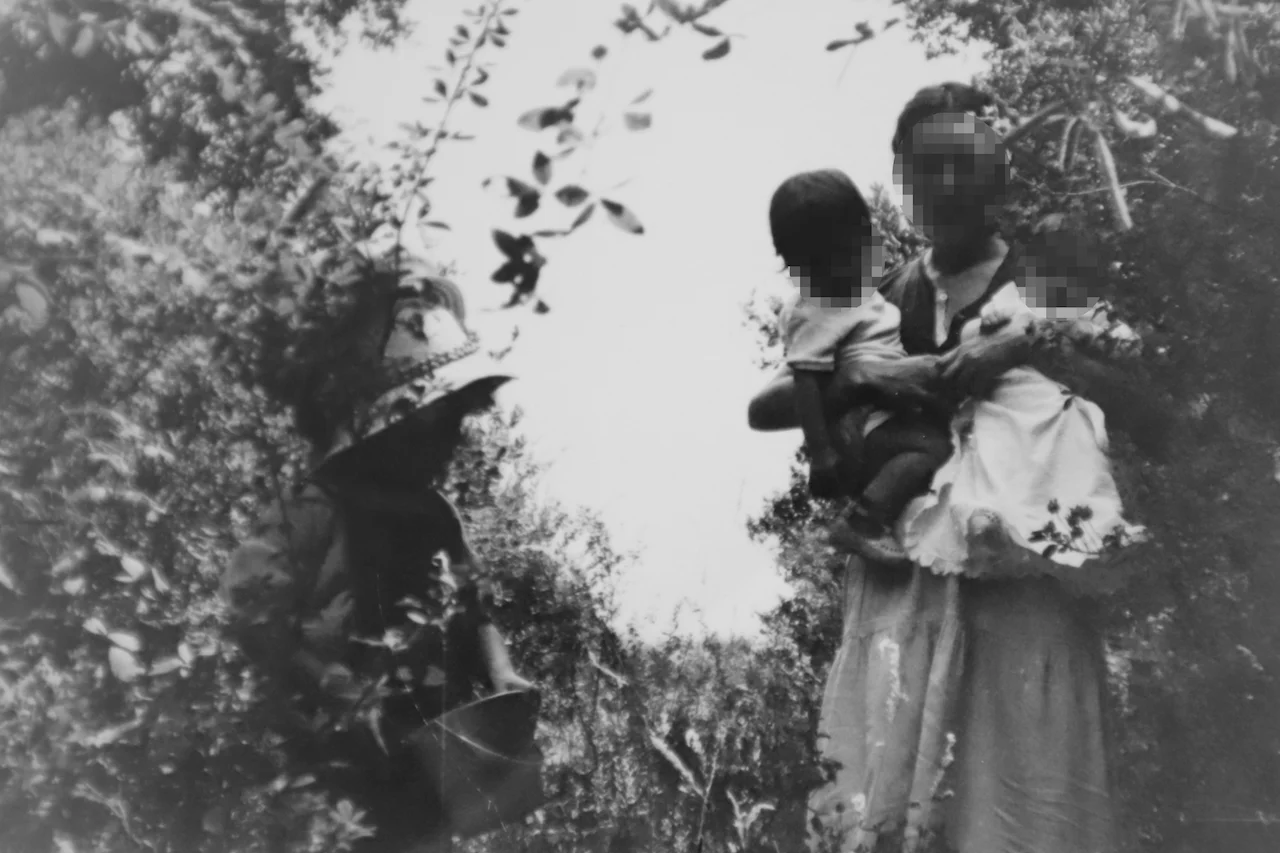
813,214
932,100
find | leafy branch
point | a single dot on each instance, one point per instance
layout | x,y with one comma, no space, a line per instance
523,261
489,29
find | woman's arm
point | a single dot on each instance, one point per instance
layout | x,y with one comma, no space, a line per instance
907,381
973,368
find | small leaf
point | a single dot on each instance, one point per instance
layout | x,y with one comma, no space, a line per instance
441,89
84,42
166,666
133,567
839,43
443,226
463,32
1134,128
7,580
717,52
59,28
111,734
706,30
583,217
527,205
158,578
542,118
124,665
56,239
642,97
541,307
94,625
508,272
638,121
519,188
507,244
583,78
622,217
1049,551
569,135
451,57
541,168
128,641
572,195
478,99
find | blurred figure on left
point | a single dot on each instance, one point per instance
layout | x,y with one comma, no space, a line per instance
357,594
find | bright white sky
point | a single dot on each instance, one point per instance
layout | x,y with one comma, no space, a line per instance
635,386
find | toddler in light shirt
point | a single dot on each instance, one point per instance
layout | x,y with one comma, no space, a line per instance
837,322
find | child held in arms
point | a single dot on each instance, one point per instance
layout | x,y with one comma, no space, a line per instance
875,452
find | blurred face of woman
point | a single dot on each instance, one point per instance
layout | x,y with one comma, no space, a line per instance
953,174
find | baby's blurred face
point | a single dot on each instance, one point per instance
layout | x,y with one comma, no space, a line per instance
848,278
1054,289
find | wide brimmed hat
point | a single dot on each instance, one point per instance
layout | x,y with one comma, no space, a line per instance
423,353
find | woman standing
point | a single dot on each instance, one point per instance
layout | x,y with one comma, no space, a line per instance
970,712
357,595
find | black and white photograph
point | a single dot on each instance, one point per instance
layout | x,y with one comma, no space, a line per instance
666,426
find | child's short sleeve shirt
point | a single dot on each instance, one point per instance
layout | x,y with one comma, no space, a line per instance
819,337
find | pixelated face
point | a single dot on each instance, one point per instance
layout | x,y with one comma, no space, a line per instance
858,264
1056,279
953,172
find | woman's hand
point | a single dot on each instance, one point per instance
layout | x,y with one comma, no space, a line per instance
974,368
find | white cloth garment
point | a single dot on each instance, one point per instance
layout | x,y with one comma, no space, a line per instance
1025,457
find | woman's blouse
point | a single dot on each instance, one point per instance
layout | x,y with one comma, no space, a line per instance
912,287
